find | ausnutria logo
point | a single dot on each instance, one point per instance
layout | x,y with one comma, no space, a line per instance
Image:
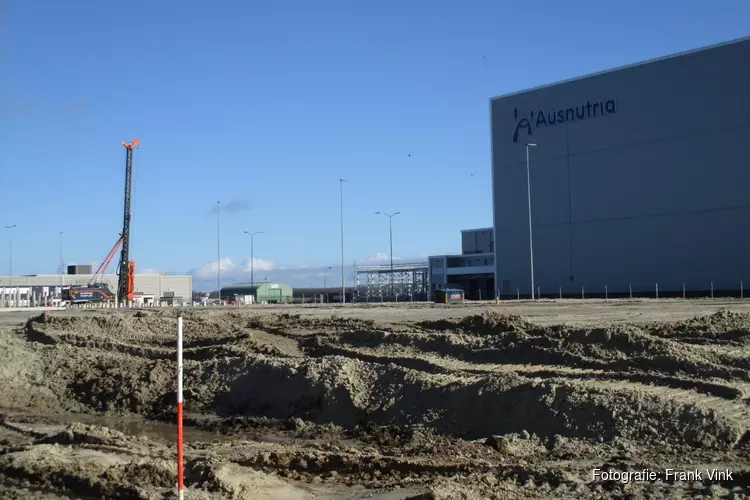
525,119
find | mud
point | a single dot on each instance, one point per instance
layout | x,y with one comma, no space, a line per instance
409,401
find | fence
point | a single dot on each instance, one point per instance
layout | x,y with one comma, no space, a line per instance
654,291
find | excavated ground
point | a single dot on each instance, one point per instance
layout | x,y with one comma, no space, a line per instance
408,401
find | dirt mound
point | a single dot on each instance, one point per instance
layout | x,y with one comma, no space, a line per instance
487,323
614,348
72,461
78,433
484,405
720,327
297,324
392,435
350,392
144,327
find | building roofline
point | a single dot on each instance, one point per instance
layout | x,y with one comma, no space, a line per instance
626,66
467,255
477,229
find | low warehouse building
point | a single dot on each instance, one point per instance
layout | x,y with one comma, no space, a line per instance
160,286
273,293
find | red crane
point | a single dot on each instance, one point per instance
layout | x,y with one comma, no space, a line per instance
96,290
126,269
97,277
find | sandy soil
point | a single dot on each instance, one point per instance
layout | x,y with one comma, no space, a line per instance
413,401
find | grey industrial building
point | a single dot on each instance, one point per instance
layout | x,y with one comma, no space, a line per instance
472,270
640,177
169,288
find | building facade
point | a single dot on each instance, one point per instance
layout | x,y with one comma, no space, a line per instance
639,178
472,270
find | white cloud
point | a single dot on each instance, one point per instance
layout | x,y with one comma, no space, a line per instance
231,270
382,257
261,265
211,268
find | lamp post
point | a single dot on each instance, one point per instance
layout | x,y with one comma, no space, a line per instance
325,283
528,191
218,249
61,263
252,256
390,234
10,255
343,286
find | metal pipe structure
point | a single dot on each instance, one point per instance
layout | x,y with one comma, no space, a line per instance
10,255
62,267
528,190
252,256
218,250
343,283
390,235
325,283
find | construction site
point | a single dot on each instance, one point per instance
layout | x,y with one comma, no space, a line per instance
389,396
395,401
592,343
83,286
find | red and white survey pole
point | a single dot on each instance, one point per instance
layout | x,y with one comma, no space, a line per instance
180,485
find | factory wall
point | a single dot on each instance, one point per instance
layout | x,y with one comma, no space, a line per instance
438,266
472,270
640,177
477,241
154,284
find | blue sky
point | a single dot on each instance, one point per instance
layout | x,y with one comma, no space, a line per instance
265,105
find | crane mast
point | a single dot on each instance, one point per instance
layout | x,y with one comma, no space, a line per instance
126,268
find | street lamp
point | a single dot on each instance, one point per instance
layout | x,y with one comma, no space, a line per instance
61,262
343,286
390,233
218,249
325,282
252,258
528,191
10,255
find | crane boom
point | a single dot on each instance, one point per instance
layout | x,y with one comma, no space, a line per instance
125,279
96,278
